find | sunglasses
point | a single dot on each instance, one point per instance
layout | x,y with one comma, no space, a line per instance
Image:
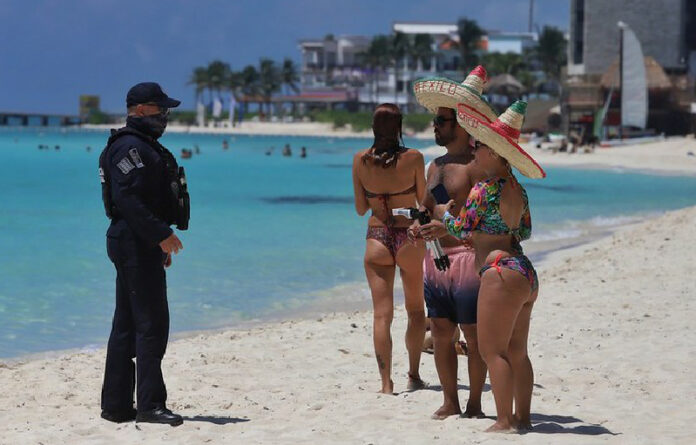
164,111
439,121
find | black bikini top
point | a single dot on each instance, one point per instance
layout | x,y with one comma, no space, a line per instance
369,194
385,196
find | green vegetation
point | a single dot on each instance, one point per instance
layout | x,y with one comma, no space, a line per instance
536,65
418,122
551,51
188,117
98,117
362,120
470,35
538,69
359,121
183,117
254,82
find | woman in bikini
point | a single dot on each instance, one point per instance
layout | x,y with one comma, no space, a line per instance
388,176
496,218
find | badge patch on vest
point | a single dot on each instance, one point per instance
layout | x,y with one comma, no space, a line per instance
136,157
125,165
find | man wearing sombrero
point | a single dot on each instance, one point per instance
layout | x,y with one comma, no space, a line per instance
451,296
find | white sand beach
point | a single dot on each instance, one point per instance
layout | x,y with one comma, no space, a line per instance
612,343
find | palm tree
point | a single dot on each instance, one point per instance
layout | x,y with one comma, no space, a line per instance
218,72
234,82
469,36
422,49
400,48
376,58
551,51
269,80
250,83
199,78
289,76
503,63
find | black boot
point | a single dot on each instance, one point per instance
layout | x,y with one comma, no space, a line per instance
119,416
159,415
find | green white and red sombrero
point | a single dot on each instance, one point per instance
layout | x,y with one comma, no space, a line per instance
502,136
435,92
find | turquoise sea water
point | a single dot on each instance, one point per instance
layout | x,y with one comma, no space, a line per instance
267,232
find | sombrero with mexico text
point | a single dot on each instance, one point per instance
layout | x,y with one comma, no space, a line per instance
435,92
502,136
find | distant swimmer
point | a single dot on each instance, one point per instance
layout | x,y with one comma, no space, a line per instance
225,145
88,148
270,151
57,147
197,149
286,150
186,153
303,152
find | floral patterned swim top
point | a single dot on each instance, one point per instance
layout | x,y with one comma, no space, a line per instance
482,213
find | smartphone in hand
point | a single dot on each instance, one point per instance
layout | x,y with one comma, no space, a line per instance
440,194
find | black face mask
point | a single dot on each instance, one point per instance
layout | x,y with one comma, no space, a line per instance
152,125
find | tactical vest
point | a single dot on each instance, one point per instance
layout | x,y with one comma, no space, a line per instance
179,208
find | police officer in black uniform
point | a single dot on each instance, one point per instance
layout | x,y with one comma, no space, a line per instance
144,192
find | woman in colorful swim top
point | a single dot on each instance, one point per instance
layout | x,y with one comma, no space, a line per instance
495,219
387,176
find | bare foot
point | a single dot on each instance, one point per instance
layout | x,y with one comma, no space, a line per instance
387,389
522,424
415,383
445,411
501,427
473,411
525,426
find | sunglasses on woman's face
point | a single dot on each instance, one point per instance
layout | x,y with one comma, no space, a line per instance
439,121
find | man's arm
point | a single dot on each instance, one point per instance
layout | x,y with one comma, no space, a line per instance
420,178
429,201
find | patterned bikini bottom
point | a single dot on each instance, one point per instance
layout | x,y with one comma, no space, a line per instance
519,263
391,237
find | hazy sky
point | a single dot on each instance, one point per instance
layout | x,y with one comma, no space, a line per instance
52,51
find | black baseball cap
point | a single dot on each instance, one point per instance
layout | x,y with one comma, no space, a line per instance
150,92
